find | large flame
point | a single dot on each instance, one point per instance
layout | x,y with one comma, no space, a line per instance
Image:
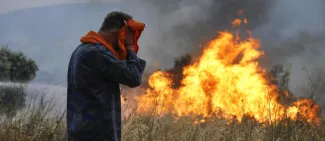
226,82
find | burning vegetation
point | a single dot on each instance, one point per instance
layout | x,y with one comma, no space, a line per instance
225,82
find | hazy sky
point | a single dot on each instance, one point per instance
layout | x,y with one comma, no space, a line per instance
13,5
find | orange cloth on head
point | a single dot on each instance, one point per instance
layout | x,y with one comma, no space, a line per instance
121,37
94,38
137,28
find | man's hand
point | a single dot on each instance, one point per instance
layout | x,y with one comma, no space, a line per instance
128,42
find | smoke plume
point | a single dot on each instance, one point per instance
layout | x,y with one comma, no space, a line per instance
182,26
292,32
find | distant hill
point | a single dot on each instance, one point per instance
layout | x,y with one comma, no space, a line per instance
49,34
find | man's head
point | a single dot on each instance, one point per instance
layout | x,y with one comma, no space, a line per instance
113,22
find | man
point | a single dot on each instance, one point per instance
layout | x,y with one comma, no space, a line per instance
104,60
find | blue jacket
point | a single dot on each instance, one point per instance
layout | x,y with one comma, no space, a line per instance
93,95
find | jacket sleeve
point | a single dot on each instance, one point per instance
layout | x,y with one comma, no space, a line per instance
127,72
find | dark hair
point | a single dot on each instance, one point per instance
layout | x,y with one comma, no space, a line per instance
114,19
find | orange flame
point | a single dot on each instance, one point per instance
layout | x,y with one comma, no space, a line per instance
236,22
225,82
245,21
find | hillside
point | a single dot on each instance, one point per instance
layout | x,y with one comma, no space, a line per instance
49,34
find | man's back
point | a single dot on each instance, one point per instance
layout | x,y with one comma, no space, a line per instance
94,105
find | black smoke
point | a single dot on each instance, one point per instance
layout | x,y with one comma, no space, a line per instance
182,26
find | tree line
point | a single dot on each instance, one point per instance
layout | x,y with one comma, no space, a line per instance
14,67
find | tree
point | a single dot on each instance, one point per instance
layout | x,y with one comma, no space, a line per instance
14,67
12,98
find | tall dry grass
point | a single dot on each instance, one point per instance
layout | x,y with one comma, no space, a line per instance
40,121
167,128
37,123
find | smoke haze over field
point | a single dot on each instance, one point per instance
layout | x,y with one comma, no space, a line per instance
291,31
184,25
283,27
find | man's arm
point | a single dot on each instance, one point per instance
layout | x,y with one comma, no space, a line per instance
127,72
